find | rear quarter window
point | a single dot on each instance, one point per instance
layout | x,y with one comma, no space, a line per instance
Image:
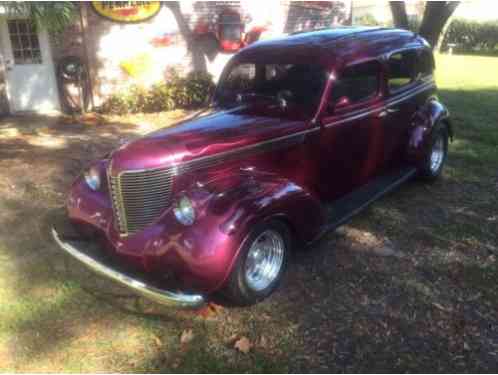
425,64
401,69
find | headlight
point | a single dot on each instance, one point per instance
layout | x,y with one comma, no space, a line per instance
184,211
92,178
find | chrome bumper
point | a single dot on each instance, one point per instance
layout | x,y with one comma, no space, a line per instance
161,296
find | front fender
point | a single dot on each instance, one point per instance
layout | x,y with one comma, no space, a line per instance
254,196
240,200
432,115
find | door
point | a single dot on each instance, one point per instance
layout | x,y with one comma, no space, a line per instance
402,85
352,132
4,100
29,72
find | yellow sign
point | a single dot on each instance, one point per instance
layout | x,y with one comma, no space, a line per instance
127,11
138,66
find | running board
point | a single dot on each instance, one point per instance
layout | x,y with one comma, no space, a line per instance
342,210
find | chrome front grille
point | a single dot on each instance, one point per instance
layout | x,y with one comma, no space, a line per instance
140,197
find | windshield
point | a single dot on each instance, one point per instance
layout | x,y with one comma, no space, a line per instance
300,85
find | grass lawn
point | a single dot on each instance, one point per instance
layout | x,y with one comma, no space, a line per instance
342,307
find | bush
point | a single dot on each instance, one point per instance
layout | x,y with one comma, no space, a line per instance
367,19
471,36
192,91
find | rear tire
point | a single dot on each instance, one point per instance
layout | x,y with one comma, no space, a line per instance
433,163
260,265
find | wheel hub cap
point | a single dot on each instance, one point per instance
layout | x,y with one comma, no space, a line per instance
437,155
264,260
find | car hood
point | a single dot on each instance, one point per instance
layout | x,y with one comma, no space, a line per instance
215,131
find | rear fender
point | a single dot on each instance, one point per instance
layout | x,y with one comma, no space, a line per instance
430,117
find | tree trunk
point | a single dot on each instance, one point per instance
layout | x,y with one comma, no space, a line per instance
198,59
436,15
398,10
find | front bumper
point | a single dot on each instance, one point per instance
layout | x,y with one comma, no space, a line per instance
140,287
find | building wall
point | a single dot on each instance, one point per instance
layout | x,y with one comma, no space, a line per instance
120,54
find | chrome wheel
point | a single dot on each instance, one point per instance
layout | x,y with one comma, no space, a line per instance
264,260
437,155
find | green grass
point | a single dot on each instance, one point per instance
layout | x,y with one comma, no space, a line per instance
340,310
468,85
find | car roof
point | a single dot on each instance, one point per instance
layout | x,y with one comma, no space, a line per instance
331,46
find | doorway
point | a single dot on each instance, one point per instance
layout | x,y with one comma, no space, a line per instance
28,67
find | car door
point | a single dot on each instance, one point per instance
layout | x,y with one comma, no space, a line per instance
352,134
402,87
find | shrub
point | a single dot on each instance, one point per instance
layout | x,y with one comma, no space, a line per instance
367,19
198,88
470,36
190,92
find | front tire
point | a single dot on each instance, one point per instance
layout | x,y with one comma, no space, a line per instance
260,265
433,163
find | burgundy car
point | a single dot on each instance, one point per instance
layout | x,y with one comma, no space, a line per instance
302,133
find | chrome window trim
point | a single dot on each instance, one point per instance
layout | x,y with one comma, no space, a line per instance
390,102
411,85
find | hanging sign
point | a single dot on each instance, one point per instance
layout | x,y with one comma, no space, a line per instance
127,11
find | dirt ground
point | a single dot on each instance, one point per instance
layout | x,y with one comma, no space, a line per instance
408,285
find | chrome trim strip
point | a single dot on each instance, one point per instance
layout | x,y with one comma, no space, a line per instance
225,156
161,296
182,166
413,92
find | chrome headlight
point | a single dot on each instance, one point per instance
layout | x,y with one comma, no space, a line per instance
92,178
184,211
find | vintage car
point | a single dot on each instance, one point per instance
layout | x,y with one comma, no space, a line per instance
302,133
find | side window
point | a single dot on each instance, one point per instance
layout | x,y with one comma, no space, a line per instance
425,64
401,69
241,78
356,83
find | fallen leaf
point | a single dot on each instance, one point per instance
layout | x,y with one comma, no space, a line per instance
263,342
176,363
243,345
231,339
440,307
186,337
210,311
265,316
157,340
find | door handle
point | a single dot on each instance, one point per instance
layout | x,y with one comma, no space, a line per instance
387,111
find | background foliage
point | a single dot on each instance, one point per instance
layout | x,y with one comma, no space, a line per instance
188,92
52,16
472,36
